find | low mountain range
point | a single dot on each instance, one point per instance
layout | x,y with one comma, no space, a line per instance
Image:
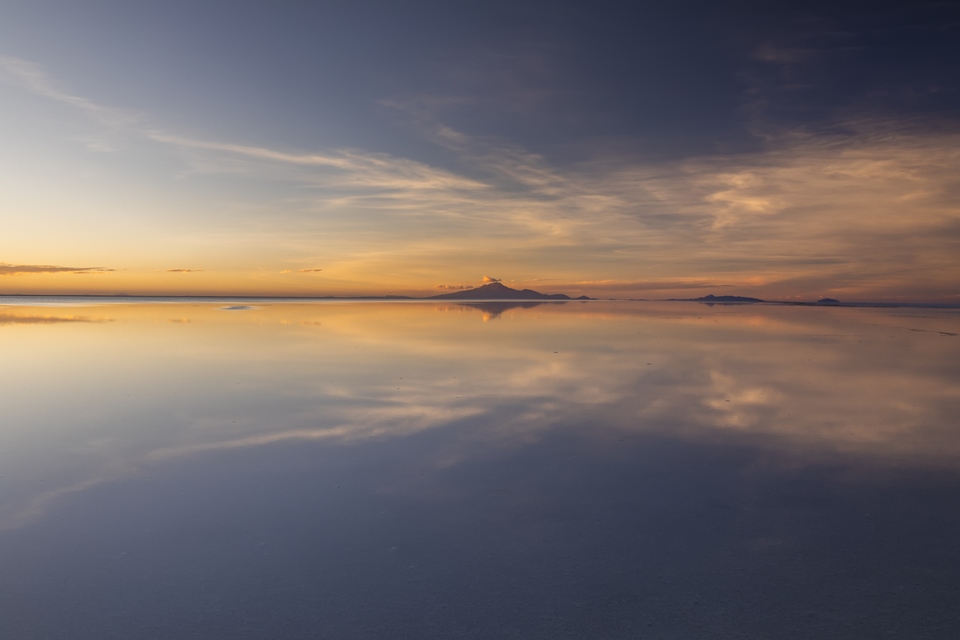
497,291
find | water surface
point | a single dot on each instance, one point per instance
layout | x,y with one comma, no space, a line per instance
243,469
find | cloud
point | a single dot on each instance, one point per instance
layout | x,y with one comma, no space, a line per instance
33,77
455,287
348,167
182,270
779,54
488,279
648,285
518,79
870,210
21,269
315,270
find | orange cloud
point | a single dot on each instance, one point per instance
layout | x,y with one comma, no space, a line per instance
20,269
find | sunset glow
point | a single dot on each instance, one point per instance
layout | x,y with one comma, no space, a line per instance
773,163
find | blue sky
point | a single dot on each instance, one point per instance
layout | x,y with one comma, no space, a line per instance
383,147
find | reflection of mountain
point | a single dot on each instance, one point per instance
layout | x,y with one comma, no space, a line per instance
497,291
493,310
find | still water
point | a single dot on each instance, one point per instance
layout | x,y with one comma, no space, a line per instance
498,470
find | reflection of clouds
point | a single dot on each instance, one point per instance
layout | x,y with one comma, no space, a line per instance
377,423
864,382
734,401
20,319
36,507
770,373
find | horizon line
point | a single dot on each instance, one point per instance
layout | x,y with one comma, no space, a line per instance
403,298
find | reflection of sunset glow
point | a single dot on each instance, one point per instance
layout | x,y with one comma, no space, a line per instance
19,318
156,382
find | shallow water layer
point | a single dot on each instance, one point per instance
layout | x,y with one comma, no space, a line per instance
513,470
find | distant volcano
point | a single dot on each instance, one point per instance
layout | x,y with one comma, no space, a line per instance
497,291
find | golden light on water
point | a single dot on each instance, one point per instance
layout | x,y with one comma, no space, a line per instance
140,383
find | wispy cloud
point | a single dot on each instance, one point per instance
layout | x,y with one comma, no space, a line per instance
32,76
351,167
488,279
24,269
314,270
646,285
454,287
181,270
873,207
878,207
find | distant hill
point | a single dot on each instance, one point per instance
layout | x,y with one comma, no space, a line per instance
828,301
497,291
713,298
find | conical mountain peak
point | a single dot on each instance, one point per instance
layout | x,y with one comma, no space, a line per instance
500,291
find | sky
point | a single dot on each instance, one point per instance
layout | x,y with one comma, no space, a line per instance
787,151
